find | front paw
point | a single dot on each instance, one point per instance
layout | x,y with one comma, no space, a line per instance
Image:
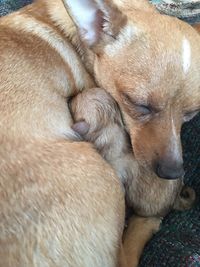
150,224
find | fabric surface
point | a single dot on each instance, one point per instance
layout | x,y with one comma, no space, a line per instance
188,10
177,244
7,6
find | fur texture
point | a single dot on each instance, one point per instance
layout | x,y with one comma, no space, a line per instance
146,193
61,203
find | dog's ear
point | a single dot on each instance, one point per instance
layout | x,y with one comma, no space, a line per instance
95,19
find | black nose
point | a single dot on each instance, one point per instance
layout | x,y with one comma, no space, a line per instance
170,171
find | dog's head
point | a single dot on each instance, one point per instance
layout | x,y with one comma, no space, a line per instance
150,64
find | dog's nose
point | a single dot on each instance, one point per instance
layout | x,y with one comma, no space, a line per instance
170,171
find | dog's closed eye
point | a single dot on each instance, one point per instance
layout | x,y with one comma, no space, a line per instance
138,109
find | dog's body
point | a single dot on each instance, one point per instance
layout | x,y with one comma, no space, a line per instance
61,203
146,193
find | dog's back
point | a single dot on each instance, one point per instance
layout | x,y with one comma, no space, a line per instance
56,209
56,206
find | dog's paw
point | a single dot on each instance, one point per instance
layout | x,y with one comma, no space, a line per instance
150,224
139,232
154,223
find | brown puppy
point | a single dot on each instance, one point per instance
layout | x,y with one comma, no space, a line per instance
99,121
61,203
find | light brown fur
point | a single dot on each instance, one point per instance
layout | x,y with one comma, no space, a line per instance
61,203
146,193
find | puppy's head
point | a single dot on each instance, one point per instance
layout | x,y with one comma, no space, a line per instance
93,110
150,64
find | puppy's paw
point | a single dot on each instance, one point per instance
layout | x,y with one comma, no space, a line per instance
154,223
189,195
81,127
185,199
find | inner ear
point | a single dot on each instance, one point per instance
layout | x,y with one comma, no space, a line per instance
95,18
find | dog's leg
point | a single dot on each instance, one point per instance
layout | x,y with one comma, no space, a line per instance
139,232
122,258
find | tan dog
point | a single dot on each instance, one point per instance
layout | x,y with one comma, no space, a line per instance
98,120
61,203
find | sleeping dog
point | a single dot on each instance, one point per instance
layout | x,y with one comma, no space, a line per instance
98,120
61,203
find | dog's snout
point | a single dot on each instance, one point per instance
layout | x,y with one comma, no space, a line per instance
170,170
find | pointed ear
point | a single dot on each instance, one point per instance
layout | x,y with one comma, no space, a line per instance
95,18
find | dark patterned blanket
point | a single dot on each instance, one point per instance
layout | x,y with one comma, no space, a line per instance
177,244
188,10
7,6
